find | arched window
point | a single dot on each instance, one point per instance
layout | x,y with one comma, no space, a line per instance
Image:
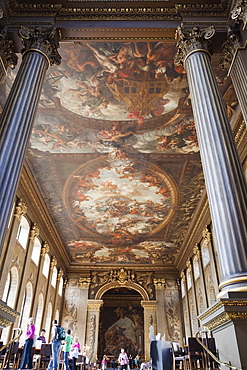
48,325
36,251
9,294
46,265
60,288
39,312
54,277
23,232
25,311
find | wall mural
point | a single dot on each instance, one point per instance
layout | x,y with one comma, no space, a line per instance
121,327
114,151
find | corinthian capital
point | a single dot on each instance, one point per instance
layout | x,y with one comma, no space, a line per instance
239,12
44,40
9,58
192,40
230,48
20,209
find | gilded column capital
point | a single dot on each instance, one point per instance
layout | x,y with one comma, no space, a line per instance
65,282
182,275
190,41
9,58
149,305
53,262
84,283
159,284
94,304
189,266
43,40
239,12
44,249
20,209
34,231
197,252
230,48
206,234
60,274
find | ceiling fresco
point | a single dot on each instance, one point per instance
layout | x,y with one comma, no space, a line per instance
114,151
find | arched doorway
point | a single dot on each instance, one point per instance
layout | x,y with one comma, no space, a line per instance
121,323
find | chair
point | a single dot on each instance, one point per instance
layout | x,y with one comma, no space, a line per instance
45,356
210,344
11,360
80,362
61,360
178,356
195,354
3,355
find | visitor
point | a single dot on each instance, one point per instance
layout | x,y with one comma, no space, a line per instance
75,349
27,352
67,348
56,346
123,360
42,337
104,363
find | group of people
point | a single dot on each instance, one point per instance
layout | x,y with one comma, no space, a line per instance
71,346
124,361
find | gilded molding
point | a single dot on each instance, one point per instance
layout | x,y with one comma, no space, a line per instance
224,317
9,311
20,209
220,304
4,322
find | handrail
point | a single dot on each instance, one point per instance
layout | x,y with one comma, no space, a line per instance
12,340
213,356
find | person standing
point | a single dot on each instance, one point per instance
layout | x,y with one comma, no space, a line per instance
137,361
27,353
42,337
75,349
56,346
123,359
104,363
67,349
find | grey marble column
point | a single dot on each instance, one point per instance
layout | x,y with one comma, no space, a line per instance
234,60
224,178
40,50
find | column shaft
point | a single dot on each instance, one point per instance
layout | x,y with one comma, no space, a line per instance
225,183
239,80
15,128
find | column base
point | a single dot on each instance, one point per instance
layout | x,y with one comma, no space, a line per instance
227,321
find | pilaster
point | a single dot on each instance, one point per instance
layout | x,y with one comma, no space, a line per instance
150,309
93,315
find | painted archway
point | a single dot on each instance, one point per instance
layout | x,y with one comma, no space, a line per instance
127,284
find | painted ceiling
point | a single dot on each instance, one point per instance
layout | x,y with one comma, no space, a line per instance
114,150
